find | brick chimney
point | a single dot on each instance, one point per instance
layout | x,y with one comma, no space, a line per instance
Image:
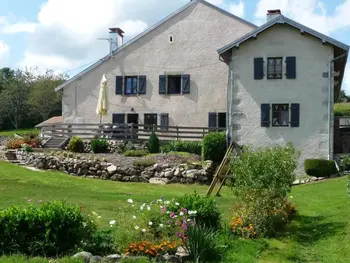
271,14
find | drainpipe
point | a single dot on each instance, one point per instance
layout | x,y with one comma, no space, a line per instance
229,132
330,103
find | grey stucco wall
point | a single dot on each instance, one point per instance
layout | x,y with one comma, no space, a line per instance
198,32
309,89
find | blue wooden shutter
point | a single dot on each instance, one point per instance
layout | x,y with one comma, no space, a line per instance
291,71
258,68
164,121
295,115
142,85
119,85
118,118
265,115
185,84
212,120
162,84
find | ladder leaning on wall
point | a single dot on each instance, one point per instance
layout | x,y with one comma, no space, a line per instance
234,150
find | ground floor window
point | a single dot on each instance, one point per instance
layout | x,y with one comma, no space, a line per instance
150,121
217,120
280,115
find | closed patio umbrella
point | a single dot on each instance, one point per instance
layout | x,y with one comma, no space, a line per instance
102,103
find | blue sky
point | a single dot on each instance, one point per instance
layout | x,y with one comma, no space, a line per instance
62,34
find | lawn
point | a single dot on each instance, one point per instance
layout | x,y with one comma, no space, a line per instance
18,132
320,232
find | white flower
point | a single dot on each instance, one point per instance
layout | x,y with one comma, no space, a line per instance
159,201
181,213
161,207
112,222
143,230
98,217
133,205
167,202
148,208
141,207
134,217
177,203
84,224
130,201
168,212
94,213
194,212
291,197
150,223
161,225
136,227
188,220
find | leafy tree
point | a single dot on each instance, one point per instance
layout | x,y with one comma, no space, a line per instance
342,97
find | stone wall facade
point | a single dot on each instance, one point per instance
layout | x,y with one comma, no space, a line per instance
157,174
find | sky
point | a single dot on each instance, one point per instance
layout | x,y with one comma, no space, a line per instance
62,34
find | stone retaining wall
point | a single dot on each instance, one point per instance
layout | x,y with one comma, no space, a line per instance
157,174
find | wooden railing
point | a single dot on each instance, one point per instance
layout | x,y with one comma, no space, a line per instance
126,131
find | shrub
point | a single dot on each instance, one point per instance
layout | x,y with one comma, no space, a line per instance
144,162
32,141
99,145
342,109
153,143
135,153
101,243
26,148
183,146
208,212
50,230
214,147
319,167
15,144
345,163
76,145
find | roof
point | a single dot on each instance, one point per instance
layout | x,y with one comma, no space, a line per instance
150,29
283,20
53,120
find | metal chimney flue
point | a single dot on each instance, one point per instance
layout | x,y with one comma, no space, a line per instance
271,14
117,37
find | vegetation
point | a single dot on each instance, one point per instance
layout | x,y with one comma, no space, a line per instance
99,145
183,146
319,167
22,132
23,259
214,146
345,163
342,109
316,233
153,143
76,145
144,162
135,153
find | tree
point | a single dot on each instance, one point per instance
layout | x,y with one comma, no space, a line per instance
43,99
342,97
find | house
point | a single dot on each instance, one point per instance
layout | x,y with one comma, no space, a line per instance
168,75
282,81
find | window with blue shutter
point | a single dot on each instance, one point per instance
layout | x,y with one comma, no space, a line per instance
164,121
291,71
142,85
162,84
265,115
295,115
258,68
212,120
118,118
185,84
119,85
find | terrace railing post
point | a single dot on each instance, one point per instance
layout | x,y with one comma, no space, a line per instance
69,130
177,132
52,130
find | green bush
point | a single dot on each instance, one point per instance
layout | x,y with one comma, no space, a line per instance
320,167
101,243
99,145
153,143
50,230
144,162
76,145
345,163
214,147
342,109
135,153
208,213
183,146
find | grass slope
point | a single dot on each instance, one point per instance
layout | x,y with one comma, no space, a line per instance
320,232
18,132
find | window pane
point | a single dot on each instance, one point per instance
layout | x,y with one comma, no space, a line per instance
128,85
174,84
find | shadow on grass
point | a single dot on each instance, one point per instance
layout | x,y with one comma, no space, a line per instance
310,229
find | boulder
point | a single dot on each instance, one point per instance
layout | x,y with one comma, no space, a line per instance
168,174
112,258
161,181
177,172
96,259
147,173
134,179
143,179
112,169
86,256
192,174
175,180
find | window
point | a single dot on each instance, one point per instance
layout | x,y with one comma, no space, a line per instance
130,85
222,120
217,120
280,115
274,68
150,120
174,84
164,121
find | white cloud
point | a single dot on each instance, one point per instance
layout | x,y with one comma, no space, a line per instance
346,81
4,53
237,8
19,27
216,2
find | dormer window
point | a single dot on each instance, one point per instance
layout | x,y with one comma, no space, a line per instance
274,68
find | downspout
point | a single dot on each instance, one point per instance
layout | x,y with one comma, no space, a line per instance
330,103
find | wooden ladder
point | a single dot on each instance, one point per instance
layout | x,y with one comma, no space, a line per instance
234,149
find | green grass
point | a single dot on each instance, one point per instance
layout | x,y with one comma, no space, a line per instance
22,259
342,109
18,132
319,233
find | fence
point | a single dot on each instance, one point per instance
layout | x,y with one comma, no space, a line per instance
126,131
341,134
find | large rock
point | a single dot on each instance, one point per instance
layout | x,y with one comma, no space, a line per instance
168,174
86,256
112,258
112,169
177,172
192,174
161,181
143,179
134,179
96,259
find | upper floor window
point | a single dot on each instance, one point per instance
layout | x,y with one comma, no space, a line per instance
174,84
274,68
131,85
280,115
